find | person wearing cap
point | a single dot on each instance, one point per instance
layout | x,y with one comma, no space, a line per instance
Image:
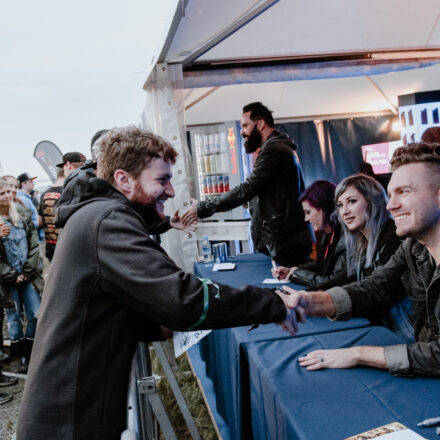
26,185
72,161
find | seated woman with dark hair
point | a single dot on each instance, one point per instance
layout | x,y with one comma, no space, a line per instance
318,206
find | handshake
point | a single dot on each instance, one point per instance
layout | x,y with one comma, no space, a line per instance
298,308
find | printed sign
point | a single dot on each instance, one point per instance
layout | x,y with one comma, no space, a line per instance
184,340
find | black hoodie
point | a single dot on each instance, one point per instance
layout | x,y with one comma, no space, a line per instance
109,286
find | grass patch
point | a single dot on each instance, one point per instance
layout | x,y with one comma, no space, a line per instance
193,397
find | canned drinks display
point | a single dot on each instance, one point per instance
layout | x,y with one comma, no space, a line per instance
226,183
220,184
205,185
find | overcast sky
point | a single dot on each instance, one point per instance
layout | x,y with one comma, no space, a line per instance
68,69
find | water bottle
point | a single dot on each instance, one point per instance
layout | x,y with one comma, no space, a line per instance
206,249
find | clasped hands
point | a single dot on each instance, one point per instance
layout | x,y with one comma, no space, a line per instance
297,305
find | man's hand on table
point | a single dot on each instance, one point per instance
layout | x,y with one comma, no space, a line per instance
344,358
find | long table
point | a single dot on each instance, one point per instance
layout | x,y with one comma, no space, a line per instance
229,358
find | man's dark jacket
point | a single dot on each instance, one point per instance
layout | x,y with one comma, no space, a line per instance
276,183
412,267
109,286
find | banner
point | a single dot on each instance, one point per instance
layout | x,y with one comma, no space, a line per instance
48,155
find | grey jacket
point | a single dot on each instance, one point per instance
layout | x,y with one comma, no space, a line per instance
109,286
273,189
413,268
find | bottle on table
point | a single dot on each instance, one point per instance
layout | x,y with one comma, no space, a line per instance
206,249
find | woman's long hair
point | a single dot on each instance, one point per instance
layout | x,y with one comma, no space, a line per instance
13,213
321,195
359,250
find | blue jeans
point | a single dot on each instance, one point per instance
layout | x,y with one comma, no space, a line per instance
26,295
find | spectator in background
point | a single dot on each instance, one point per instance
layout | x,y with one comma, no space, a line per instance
19,258
5,301
72,161
26,185
95,143
318,203
47,213
431,135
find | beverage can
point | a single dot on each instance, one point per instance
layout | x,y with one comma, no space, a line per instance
209,184
201,162
225,183
217,142
223,252
211,142
205,185
220,184
216,252
218,163
206,148
215,185
213,162
207,164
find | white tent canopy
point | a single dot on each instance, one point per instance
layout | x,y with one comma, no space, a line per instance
303,59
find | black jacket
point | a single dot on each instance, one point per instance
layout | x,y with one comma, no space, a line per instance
109,286
413,272
387,245
275,185
326,267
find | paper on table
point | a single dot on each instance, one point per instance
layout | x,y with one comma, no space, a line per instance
392,431
223,266
184,340
274,281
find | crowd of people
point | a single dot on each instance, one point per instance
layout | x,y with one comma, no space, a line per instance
24,222
111,285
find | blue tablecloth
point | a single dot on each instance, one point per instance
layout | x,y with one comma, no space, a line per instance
222,350
289,402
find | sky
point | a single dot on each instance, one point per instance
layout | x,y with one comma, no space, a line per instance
69,69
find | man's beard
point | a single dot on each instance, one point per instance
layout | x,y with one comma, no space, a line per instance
147,202
253,141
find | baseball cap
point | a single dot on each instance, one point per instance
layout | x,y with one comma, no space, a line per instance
25,176
74,156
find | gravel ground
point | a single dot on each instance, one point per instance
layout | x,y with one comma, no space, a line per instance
9,411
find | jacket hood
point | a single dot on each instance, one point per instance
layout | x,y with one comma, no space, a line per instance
83,187
277,136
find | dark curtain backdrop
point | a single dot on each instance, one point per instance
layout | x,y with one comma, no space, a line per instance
331,149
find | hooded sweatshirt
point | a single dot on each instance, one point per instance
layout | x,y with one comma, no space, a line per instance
109,286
